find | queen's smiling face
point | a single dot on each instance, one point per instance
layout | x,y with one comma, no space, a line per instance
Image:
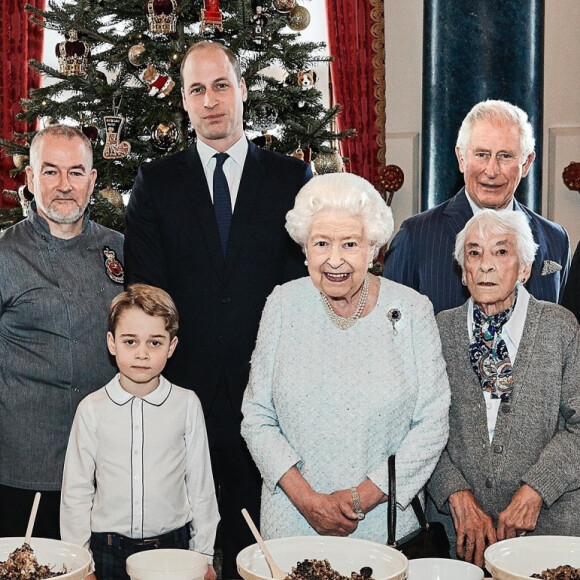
492,268
338,253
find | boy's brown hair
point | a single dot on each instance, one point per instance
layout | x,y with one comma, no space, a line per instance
151,300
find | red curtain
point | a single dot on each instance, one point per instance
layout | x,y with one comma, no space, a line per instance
356,41
20,40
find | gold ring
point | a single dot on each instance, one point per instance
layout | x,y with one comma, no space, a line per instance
468,543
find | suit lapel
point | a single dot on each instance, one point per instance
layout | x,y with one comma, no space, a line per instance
203,208
457,212
539,258
244,208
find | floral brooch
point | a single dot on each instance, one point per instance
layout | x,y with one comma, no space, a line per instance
394,315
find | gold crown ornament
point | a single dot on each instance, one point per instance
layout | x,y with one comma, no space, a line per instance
161,15
73,55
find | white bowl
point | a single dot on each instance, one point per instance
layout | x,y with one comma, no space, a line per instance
519,558
53,553
167,564
443,569
345,555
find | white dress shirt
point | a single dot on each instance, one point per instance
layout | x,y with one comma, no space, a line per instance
511,334
139,467
233,166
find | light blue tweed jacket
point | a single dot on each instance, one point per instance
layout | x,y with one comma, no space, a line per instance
337,403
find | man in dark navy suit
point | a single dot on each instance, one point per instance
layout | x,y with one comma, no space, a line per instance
495,149
207,226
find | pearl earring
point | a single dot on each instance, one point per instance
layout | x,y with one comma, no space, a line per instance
371,264
306,262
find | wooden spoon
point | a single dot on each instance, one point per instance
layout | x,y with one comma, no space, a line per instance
32,518
275,570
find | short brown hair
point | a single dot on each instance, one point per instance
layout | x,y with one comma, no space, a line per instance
204,45
151,300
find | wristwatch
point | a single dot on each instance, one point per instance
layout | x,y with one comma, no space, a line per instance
356,503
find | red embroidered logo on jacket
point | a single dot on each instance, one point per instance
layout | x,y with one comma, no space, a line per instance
113,267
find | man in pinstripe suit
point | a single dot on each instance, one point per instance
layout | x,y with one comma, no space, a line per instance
495,149
571,298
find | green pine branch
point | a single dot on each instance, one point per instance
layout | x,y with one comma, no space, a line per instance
112,84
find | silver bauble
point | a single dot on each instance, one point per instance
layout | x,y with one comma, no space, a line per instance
263,117
137,55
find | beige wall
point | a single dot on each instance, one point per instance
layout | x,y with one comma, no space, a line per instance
561,139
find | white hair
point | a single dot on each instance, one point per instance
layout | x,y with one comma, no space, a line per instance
497,111
490,221
345,192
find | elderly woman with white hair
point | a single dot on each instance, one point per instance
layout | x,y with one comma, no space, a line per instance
512,462
347,370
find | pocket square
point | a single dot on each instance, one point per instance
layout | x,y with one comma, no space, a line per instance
549,267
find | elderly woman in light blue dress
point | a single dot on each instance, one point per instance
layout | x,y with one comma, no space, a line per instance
347,370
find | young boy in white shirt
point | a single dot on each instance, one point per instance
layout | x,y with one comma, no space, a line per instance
137,473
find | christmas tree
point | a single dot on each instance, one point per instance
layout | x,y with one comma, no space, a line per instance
118,79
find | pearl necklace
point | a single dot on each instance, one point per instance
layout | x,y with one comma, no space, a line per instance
346,323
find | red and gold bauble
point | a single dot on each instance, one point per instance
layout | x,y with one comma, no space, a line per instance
391,179
571,176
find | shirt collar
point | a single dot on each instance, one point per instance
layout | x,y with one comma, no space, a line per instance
41,226
237,151
514,327
476,209
120,396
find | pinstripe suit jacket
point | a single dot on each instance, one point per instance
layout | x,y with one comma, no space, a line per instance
421,254
571,298
537,434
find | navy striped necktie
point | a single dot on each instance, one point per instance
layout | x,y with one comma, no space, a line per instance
222,202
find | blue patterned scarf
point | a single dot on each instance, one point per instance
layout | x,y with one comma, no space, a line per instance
489,355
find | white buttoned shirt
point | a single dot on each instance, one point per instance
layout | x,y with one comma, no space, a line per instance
233,166
511,333
139,467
